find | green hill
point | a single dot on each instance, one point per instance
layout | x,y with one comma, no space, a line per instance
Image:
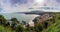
4,29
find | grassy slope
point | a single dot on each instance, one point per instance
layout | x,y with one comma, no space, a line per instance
3,29
54,27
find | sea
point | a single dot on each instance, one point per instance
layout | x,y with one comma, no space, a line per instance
20,17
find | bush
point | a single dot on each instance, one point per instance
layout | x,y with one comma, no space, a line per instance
38,27
46,24
58,17
19,28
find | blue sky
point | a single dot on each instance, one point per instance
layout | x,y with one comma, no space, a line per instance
10,6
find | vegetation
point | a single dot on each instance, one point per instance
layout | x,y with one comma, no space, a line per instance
2,20
19,29
54,27
50,25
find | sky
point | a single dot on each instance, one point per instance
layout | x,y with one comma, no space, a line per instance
10,6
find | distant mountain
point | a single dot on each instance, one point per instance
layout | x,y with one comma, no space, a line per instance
31,12
38,12
35,12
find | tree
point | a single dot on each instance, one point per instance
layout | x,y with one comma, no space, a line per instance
38,27
19,28
58,17
7,24
29,29
24,23
35,20
15,20
2,20
14,23
46,24
13,26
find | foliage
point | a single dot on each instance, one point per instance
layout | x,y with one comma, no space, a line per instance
35,20
38,27
46,24
14,23
15,20
19,28
2,19
54,27
4,29
24,22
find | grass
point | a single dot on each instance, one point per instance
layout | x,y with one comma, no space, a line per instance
4,29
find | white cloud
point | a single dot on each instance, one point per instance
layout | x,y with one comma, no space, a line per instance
8,8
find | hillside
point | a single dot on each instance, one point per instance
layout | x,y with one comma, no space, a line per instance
4,29
49,25
54,27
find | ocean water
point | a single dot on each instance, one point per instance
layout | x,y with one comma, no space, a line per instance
20,17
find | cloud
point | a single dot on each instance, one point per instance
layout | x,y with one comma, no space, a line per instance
58,1
19,1
10,6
